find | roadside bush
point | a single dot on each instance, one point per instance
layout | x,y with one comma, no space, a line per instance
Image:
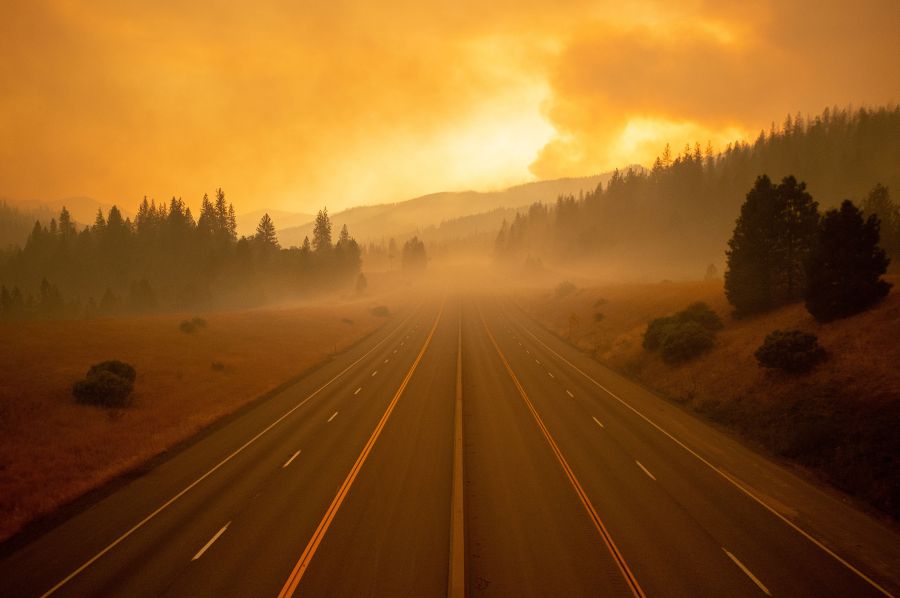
684,341
599,317
187,327
564,288
791,351
108,384
381,311
684,335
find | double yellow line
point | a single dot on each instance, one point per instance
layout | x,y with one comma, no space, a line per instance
579,490
290,586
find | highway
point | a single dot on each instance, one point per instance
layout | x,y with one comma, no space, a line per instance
462,450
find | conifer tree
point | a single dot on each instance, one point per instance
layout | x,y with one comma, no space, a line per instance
846,265
265,233
322,232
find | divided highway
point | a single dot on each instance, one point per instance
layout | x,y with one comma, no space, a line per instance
462,449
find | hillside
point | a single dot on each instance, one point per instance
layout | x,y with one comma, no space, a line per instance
840,420
406,218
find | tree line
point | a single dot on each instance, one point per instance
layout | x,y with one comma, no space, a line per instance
677,214
167,259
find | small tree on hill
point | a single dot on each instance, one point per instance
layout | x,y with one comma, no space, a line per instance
846,265
322,232
772,240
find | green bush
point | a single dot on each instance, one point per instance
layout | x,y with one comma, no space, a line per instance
108,384
684,341
791,351
684,335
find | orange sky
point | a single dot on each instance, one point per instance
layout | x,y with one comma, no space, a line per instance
294,105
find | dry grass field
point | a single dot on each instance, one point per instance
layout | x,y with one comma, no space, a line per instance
53,450
840,420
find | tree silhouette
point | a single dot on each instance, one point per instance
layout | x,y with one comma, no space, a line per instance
322,232
771,242
414,257
879,203
846,265
265,233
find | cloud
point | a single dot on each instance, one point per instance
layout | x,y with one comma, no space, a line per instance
296,105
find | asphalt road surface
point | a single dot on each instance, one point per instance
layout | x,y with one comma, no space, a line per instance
462,450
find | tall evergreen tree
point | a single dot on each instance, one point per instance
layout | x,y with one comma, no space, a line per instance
846,265
322,232
772,239
265,233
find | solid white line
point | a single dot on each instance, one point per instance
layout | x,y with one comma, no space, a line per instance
641,465
288,462
333,415
551,374
231,456
749,574
373,373
724,475
211,540
599,423
356,392
569,392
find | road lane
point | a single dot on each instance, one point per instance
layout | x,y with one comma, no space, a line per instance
527,532
693,507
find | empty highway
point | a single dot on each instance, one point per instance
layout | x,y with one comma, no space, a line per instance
462,450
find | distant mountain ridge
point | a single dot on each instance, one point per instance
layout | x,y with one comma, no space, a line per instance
414,216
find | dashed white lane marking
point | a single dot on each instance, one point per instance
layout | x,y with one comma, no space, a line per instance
213,539
395,350
356,392
599,423
551,374
537,361
758,583
651,476
569,392
387,360
373,373
333,415
288,462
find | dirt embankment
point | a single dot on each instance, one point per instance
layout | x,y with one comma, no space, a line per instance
53,450
841,420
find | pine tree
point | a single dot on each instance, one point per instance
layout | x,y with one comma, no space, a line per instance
305,248
265,233
322,232
772,240
879,203
846,265
99,221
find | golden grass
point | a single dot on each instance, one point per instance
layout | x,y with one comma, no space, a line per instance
53,450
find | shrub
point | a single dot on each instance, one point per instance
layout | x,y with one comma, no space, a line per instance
187,327
108,384
701,313
598,317
792,351
218,366
564,288
381,311
684,341
684,335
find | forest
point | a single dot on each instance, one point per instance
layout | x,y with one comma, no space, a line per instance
165,259
675,218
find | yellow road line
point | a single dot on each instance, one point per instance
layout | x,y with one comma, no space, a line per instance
290,586
582,495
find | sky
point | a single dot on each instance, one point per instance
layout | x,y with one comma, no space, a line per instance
297,105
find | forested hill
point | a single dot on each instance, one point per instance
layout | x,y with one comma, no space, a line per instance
675,219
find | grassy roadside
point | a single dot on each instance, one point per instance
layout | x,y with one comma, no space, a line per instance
840,420
53,450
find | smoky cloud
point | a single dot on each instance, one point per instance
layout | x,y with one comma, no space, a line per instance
298,105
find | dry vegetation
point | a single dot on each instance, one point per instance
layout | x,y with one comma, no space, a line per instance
52,449
841,419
